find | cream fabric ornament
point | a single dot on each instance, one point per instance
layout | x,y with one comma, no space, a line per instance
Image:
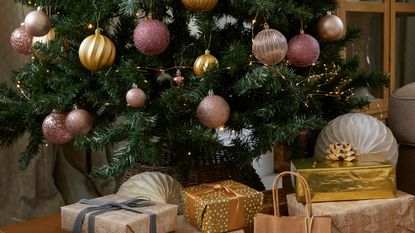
157,186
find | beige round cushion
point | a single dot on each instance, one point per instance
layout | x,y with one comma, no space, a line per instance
401,119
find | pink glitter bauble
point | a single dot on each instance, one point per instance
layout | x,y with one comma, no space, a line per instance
135,97
213,111
151,37
54,128
21,41
79,122
303,50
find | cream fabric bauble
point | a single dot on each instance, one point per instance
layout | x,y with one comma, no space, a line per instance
157,186
46,38
369,136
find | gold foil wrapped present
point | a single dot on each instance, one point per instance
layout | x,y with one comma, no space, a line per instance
119,221
222,206
345,181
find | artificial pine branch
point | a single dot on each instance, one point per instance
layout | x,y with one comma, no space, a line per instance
274,103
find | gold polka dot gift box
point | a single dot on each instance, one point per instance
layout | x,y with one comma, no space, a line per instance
221,206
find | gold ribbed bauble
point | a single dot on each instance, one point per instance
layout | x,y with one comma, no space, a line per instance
269,46
46,38
200,5
97,52
330,27
204,63
213,111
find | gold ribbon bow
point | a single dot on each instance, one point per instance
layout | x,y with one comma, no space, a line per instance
236,203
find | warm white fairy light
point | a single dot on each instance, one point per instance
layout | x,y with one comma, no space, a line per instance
21,90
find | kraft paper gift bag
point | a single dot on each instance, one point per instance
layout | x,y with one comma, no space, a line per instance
264,223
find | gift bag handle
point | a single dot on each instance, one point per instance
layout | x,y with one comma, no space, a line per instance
309,212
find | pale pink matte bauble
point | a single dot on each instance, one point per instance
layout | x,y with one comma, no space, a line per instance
135,97
54,128
303,50
79,122
151,37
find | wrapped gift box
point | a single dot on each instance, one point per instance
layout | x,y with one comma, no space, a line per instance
341,181
118,221
395,215
222,206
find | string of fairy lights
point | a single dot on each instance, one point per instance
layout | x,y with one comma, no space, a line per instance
326,77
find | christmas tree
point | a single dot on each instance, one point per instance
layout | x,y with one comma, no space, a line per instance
162,79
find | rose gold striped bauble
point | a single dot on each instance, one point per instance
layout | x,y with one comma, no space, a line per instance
269,46
200,5
97,52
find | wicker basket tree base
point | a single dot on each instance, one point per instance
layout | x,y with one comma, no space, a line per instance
217,169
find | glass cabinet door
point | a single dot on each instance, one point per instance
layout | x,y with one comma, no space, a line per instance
372,49
402,48
369,48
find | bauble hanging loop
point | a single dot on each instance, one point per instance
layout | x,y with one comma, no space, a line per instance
200,5
97,52
204,63
135,97
303,50
213,111
269,46
151,37
21,41
37,23
330,27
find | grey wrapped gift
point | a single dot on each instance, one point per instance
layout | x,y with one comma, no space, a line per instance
401,118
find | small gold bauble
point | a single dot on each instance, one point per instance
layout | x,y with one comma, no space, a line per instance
204,63
97,52
330,27
200,5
